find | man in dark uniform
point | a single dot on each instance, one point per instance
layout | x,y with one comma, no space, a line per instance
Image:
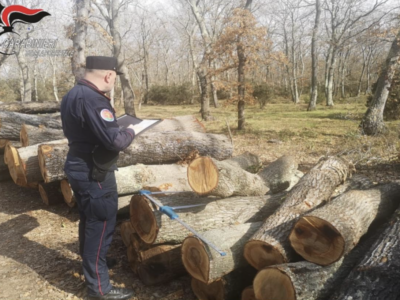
89,123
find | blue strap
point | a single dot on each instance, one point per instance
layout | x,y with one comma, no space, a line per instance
169,211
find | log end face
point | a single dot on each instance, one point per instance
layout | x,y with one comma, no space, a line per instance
43,195
271,283
143,220
195,259
202,175
212,291
317,241
248,294
67,193
260,254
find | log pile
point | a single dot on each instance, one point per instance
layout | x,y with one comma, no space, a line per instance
285,236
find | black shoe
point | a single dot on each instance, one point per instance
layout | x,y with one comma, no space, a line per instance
116,294
111,262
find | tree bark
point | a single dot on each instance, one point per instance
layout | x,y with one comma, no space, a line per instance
208,176
224,178
228,287
207,265
270,244
377,276
31,135
153,148
31,107
314,59
12,119
280,174
372,123
154,227
326,234
51,193
78,60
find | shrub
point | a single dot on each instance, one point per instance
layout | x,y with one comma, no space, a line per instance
162,94
263,93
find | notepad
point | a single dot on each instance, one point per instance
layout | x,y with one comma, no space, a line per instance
125,120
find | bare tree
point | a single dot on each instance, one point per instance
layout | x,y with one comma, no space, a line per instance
79,38
110,11
372,123
314,58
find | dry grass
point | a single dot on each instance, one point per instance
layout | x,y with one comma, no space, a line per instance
289,129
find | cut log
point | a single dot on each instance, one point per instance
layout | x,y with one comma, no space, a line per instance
31,135
179,123
356,182
280,174
154,148
15,144
51,193
327,233
246,161
14,166
10,123
208,176
29,162
229,287
377,276
206,264
270,244
158,265
68,193
153,227
4,173
31,107
126,233
248,294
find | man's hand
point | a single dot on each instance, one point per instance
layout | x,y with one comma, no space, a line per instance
137,128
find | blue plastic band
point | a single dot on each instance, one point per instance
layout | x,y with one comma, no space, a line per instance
169,212
144,192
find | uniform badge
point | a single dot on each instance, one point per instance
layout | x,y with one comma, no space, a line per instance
107,115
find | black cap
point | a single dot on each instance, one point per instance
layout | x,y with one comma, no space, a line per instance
102,63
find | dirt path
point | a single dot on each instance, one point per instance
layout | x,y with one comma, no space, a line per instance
39,253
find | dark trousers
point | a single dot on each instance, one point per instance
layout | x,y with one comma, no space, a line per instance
98,205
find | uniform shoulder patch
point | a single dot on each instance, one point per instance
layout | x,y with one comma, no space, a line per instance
107,115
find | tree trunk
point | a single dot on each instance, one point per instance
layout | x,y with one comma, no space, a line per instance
26,161
270,244
228,287
207,265
226,178
78,60
153,148
154,227
31,107
129,95
372,123
314,59
26,95
208,176
378,274
280,175
326,234
204,97
331,72
51,120
31,135
51,193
